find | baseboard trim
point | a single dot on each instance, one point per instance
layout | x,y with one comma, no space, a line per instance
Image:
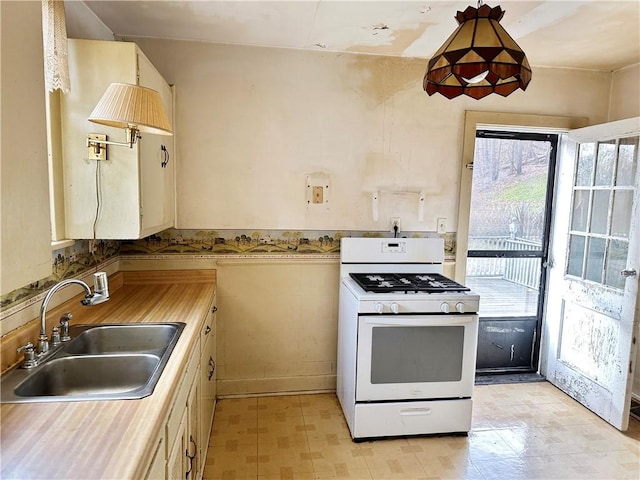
276,385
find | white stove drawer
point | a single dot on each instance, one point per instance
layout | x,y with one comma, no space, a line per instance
413,418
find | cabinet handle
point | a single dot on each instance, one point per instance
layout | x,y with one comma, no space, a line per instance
214,309
165,162
191,457
207,330
212,366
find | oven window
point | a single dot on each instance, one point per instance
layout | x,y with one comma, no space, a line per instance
416,354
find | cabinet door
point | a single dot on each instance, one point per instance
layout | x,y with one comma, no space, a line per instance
113,210
176,460
178,428
192,452
208,376
156,470
157,162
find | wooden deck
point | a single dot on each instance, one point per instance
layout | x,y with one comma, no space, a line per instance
502,298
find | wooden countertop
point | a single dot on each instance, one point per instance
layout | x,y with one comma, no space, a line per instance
108,439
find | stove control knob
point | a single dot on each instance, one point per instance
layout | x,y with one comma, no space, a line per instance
460,307
444,308
378,307
394,307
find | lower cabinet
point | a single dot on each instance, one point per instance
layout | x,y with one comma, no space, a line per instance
182,447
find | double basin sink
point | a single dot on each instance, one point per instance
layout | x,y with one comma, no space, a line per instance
100,362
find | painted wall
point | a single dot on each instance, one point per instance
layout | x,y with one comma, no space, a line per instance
625,93
252,122
83,23
25,229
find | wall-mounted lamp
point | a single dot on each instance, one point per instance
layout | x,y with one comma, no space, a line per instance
479,58
132,107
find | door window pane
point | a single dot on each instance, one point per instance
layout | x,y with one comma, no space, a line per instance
595,259
576,255
584,170
508,195
627,152
600,211
604,163
580,210
621,215
616,262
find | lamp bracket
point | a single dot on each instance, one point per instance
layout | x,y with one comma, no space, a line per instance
91,142
95,151
95,142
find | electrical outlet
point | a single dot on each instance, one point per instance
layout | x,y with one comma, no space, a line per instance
92,246
442,225
394,222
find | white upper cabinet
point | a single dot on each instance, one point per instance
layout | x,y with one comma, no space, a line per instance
130,194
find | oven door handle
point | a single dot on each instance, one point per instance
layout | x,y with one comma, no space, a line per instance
419,320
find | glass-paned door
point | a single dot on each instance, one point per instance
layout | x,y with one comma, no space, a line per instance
591,318
509,222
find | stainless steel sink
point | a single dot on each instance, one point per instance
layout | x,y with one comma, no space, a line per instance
95,375
123,338
103,362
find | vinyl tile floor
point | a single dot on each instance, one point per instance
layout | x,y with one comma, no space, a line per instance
519,431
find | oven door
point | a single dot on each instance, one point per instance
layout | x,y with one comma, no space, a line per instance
412,357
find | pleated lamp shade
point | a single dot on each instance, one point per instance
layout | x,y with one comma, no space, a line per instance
131,106
479,58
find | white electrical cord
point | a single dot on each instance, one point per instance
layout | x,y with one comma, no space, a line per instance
98,205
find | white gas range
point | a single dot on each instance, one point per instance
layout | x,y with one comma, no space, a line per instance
407,339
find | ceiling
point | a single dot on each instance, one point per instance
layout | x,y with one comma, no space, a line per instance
598,35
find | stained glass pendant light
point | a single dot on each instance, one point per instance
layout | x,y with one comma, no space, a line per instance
479,58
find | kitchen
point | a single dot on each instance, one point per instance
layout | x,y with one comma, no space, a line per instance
242,171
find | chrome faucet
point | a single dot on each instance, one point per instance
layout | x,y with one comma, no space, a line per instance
101,287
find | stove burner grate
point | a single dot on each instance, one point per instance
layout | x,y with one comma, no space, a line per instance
406,282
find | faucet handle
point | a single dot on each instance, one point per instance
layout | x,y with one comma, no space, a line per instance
26,348
43,343
55,337
29,355
64,326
